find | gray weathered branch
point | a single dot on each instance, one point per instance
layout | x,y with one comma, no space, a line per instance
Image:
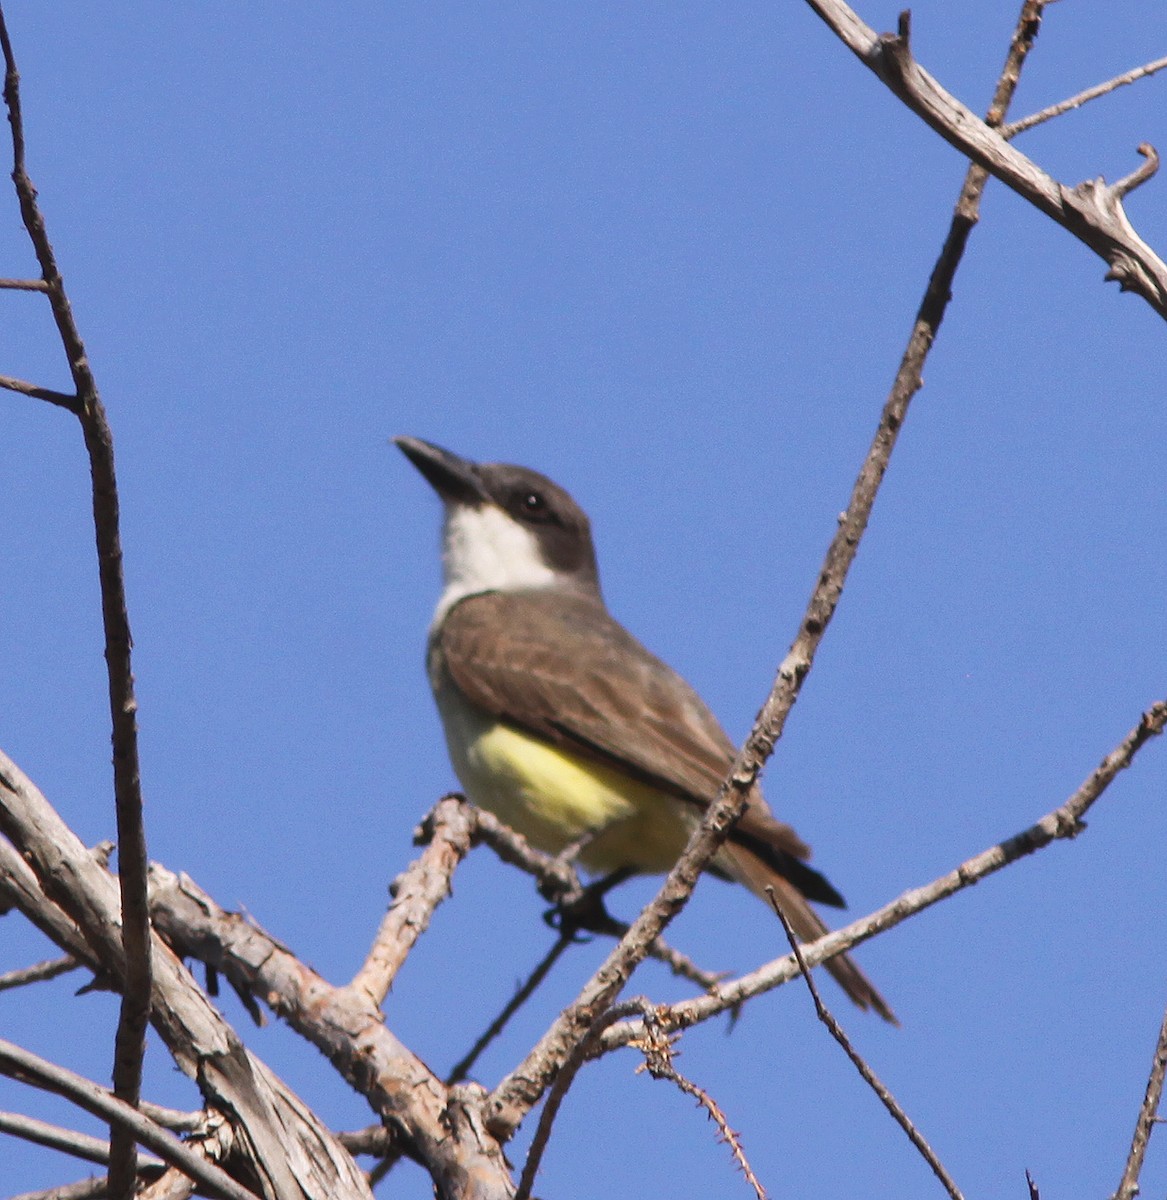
1092,211
293,1156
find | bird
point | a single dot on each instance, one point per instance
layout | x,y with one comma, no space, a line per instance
562,724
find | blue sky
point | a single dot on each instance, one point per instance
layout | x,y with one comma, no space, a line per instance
667,254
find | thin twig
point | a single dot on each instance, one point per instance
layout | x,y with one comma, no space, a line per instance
717,1116
515,1095
1139,175
1092,93
1092,212
557,881
554,876
130,1040
39,972
1128,1186
462,1068
23,285
61,399
416,893
1062,822
30,1068
869,1076
680,964
55,1137
381,1169
86,1189
561,1084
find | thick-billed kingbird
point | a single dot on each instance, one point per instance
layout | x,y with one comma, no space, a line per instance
561,723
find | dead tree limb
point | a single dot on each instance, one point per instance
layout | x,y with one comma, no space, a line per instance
130,1039
1092,211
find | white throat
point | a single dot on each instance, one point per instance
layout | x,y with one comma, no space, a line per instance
484,550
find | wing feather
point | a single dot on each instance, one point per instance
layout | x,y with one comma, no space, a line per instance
636,714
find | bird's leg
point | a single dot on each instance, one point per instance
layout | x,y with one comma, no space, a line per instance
585,911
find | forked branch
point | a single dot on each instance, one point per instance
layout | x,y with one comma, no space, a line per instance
1092,211
1062,822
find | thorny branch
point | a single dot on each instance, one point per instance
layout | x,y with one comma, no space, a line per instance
657,1047
659,1064
130,1040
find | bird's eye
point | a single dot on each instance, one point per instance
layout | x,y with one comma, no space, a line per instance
533,506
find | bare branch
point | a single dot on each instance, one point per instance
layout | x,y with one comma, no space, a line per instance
23,285
461,1069
1128,1186
577,909
20,888
658,1062
1063,822
440,1126
68,1141
130,1040
561,1084
38,973
522,1087
87,1189
416,892
860,1064
1093,93
287,1148
1091,212
28,1067
61,399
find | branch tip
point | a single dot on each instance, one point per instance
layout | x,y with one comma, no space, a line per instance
1141,174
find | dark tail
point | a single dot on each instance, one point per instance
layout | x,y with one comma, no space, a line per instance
757,875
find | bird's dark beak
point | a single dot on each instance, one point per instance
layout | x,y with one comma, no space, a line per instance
453,478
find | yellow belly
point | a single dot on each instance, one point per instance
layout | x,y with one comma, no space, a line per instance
553,797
